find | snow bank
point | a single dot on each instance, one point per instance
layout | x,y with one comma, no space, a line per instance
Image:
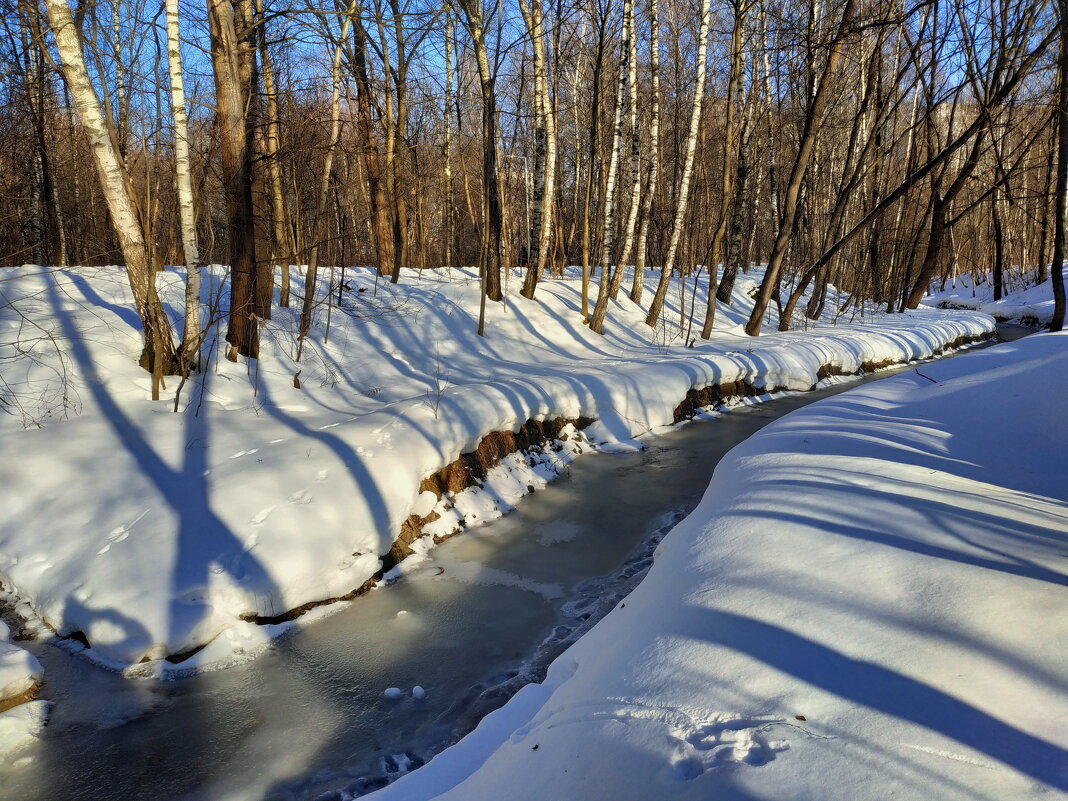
20,673
1032,306
150,534
868,603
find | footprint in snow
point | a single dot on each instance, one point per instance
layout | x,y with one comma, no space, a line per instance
302,496
261,516
727,742
119,534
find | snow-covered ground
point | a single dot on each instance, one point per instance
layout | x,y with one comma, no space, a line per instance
21,718
1032,305
868,603
150,533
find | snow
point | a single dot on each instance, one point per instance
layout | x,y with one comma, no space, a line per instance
20,671
867,604
156,533
1030,305
21,726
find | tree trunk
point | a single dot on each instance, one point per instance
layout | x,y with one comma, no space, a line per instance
281,246
545,160
638,284
380,224
1061,191
231,93
687,171
493,225
807,144
311,277
607,237
158,356
183,183
730,145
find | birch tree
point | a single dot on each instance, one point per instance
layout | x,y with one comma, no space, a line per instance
638,285
607,254
158,354
183,184
544,148
668,267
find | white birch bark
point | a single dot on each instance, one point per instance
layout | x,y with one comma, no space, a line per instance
635,167
545,164
638,286
158,355
183,184
609,229
687,169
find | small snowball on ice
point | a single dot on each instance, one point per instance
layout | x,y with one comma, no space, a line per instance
392,692
418,692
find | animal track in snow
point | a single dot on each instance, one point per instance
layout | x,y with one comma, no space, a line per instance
261,516
121,533
725,742
301,496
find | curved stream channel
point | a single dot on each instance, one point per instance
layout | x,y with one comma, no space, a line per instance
484,615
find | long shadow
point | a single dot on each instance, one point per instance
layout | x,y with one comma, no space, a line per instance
125,313
881,689
935,513
361,475
204,547
893,618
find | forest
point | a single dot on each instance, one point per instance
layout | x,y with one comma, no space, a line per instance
873,145
530,399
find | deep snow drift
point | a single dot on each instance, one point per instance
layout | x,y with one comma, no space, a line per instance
868,603
153,533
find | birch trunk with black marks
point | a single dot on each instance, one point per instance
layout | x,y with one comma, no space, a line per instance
635,168
183,184
687,171
158,355
545,149
638,284
609,229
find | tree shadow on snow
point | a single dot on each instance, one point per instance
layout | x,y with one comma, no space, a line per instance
75,761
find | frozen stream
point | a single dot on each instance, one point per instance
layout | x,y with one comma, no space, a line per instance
309,719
